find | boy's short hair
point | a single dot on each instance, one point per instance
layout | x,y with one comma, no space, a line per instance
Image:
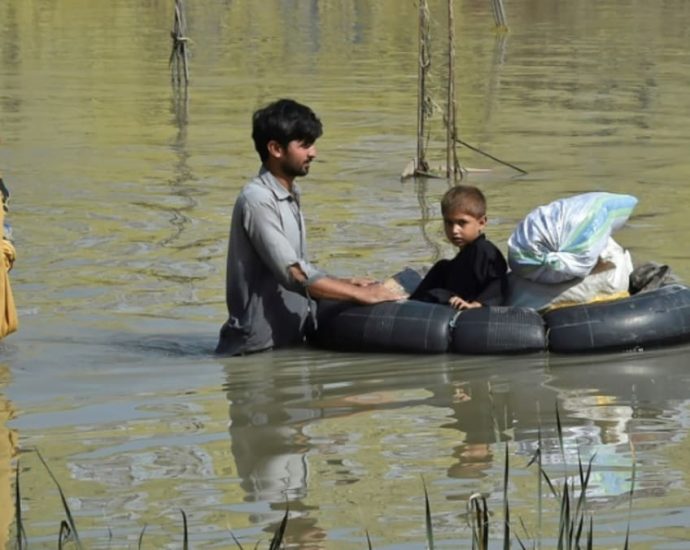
283,121
466,198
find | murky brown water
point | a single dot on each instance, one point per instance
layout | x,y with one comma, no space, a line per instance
121,197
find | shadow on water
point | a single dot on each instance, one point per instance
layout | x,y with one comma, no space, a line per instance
169,345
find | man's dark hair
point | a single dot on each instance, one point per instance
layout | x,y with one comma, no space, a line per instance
283,121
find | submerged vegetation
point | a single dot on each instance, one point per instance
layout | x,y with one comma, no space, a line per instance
575,527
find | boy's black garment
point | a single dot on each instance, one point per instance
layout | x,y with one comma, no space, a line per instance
469,275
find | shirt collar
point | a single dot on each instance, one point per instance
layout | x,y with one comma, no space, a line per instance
276,188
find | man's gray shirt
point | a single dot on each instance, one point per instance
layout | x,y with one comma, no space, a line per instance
267,306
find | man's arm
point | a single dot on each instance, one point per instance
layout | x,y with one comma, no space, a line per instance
263,226
339,289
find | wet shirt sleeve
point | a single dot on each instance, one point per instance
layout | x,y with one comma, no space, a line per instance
275,230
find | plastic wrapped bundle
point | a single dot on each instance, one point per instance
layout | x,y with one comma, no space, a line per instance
562,240
609,280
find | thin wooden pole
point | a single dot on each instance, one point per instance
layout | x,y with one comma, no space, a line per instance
178,55
499,14
451,108
424,64
484,153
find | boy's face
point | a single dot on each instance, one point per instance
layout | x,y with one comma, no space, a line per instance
462,228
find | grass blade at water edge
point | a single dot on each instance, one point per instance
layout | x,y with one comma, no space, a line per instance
527,533
237,542
368,540
632,491
427,517
68,513
559,428
520,542
578,533
21,536
506,507
540,503
141,537
478,515
564,520
554,491
537,457
64,534
582,500
185,531
584,483
277,539
590,536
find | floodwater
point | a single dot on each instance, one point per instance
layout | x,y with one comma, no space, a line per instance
121,195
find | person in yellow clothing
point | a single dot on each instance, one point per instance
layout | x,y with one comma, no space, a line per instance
8,311
8,324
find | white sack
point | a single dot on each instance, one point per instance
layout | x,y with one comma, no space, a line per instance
562,240
610,277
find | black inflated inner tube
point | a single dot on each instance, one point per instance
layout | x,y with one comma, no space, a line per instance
407,326
648,319
497,330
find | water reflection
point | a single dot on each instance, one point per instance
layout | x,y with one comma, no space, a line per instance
494,85
627,409
8,451
278,410
182,173
425,210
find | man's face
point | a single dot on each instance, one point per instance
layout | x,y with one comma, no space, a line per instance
296,158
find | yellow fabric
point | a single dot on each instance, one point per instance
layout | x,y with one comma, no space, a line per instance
596,299
8,311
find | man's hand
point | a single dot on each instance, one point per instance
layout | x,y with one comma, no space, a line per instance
378,292
359,289
360,281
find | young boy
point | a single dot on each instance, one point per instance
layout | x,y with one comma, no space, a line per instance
477,275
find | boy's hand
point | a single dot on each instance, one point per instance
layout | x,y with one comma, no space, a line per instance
458,303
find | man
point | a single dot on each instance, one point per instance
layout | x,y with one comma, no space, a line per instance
271,286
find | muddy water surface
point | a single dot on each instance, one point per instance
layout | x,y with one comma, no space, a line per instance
121,195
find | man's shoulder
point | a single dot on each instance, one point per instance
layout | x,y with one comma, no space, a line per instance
255,191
